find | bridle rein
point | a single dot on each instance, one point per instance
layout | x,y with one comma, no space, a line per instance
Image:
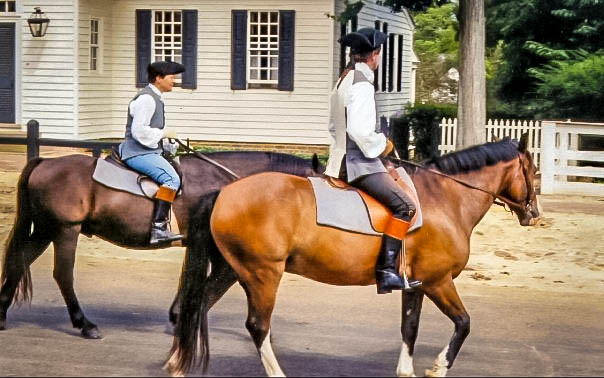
526,206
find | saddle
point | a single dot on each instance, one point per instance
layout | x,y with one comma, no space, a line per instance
343,206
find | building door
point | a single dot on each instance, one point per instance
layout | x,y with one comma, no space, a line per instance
7,72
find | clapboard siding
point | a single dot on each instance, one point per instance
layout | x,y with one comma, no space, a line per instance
388,103
95,88
295,117
48,77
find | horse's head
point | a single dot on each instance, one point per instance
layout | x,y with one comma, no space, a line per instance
521,188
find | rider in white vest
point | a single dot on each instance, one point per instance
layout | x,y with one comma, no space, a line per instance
357,145
143,146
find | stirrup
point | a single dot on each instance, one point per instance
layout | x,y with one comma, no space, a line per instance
412,285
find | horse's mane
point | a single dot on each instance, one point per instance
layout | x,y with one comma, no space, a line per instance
474,158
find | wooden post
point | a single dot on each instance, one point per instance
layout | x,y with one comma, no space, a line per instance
33,139
548,155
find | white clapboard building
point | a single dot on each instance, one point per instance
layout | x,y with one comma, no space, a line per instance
257,70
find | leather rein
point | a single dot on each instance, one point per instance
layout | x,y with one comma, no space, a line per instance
504,201
205,158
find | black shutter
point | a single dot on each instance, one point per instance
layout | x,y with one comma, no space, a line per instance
189,48
400,63
287,37
391,63
239,49
376,74
7,72
385,60
354,23
143,46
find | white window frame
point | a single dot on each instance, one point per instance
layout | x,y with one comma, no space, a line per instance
98,45
271,49
6,2
174,46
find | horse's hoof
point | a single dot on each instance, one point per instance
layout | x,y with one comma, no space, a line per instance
92,334
436,372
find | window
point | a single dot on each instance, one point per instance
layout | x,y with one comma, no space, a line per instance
263,47
167,36
8,6
94,44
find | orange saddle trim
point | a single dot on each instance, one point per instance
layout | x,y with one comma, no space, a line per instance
379,215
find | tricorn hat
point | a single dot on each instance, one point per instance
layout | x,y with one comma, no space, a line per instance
166,68
363,40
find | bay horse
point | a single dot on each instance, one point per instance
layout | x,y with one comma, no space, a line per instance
265,225
57,200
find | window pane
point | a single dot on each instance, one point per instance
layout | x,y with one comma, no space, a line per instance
274,75
177,16
168,17
158,29
254,75
177,29
264,17
263,62
274,17
2,6
168,29
263,29
254,30
177,39
254,17
274,62
274,30
263,74
158,17
253,62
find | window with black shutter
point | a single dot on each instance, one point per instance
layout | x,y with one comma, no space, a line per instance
263,49
385,52
167,35
400,63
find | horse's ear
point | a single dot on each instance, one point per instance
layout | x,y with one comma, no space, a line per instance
523,144
316,165
494,137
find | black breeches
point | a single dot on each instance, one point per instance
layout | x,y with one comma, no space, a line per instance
383,188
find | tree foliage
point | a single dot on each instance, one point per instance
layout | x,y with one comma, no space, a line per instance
537,34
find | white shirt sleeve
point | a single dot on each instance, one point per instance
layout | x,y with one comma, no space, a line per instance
142,110
361,120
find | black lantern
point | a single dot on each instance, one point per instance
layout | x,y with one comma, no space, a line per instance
38,23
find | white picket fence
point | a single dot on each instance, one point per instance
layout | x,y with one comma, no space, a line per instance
495,128
560,154
555,151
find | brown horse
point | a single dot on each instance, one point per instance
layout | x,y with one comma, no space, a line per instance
60,200
263,233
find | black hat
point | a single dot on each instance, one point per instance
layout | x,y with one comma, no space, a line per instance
363,40
165,68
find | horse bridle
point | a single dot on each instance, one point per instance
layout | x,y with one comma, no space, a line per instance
526,206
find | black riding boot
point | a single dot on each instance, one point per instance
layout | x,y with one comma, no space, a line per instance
159,225
386,272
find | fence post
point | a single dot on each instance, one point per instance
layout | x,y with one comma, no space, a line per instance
548,155
33,139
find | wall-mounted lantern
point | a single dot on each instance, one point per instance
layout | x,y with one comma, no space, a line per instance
38,23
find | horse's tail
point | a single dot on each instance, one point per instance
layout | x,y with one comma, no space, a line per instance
19,235
192,322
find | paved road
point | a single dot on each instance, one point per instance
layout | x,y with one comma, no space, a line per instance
318,330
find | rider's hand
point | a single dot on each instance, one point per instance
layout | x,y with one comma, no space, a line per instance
388,149
170,133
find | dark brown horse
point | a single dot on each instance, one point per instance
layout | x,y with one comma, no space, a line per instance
57,200
263,233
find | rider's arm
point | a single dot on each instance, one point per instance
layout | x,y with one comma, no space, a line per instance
361,120
142,110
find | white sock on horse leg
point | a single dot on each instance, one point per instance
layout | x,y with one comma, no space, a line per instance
268,358
405,363
441,364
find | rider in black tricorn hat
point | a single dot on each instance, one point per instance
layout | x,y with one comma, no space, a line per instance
356,148
143,146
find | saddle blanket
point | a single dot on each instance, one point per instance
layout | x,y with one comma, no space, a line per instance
120,178
345,208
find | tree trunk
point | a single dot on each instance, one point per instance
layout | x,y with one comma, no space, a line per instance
471,103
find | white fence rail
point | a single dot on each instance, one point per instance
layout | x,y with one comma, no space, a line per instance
495,128
560,157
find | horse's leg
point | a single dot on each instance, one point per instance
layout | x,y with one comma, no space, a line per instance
447,300
65,247
412,308
261,289
32,249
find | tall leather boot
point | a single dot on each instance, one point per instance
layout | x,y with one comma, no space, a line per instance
386,273
159,224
